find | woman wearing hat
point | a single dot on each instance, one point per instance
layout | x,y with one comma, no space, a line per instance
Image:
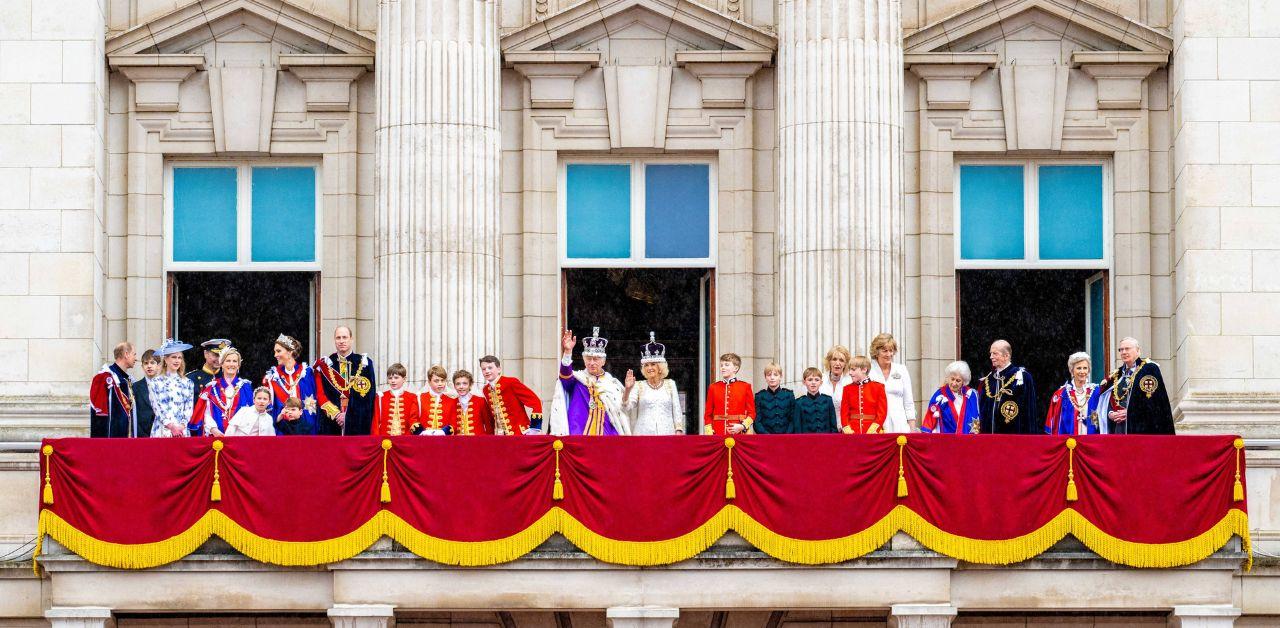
172,394
292,378
653,406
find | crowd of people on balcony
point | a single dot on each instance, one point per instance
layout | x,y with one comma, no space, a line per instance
851,394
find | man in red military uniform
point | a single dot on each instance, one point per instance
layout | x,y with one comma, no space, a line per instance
731,404
508,397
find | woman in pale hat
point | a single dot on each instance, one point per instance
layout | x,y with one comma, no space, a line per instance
172,394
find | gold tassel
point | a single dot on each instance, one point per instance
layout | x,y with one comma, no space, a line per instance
385,495
215,493
557,489
1237,491
49,485
730,491
902,475
1072,495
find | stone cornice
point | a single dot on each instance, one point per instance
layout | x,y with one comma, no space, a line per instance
948,76
723,73
552,74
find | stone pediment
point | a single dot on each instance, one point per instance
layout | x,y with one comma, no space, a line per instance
190,29
1080,25
588,26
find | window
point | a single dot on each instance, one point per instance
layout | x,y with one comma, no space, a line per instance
637,212
1032,214
246,215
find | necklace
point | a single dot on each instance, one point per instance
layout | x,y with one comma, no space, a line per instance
289,381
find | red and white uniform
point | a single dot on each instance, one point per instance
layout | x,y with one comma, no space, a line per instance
729,402
863,408
508,397
471,416
396,413
436,412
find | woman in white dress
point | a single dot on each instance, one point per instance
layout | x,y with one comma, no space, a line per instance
836,364
172,394
654,405
897,385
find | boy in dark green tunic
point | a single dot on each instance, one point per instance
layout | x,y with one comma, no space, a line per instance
815,412
775,405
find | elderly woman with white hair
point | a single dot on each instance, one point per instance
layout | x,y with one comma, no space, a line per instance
953,409
1073,409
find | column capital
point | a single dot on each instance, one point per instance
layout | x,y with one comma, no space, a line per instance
1204,616
641,616
921,615
78,616
362,616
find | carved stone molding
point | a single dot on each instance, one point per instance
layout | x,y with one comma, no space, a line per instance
723,73
156,78
948,76
327,77
552,74
1119,74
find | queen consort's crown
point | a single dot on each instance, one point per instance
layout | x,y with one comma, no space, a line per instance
653,352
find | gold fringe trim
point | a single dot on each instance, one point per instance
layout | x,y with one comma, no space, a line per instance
647,553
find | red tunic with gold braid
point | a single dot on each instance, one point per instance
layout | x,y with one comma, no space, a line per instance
508,397
728,403
396,414
472,417
436,412
863,408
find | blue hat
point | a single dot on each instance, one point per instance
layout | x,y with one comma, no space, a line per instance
171,346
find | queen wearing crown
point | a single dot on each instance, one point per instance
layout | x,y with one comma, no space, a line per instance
653,406
587,402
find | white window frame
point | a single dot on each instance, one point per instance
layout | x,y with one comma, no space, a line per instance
1031,216
637,258
244,215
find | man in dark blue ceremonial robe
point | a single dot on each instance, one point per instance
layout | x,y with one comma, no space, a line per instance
1134,396
1007,396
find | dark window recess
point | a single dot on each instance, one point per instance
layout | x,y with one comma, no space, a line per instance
251,309
626,304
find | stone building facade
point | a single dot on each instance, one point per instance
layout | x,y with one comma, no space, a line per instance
468,177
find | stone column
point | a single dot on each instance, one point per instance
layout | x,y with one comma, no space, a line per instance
1204,616
641,617
841,228
921,615
437,241
78,617
362,616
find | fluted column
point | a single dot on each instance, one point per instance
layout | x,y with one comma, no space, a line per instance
437,247
840,218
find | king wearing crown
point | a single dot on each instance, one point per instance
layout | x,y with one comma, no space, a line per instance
589,401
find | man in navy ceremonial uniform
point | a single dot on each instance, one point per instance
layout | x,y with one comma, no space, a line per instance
351,386
1134,396
111,401
1007,396
212,363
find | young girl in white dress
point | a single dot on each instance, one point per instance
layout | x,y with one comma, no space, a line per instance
255,420
654,405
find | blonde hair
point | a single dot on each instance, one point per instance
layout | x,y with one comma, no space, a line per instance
881,341
228,352
838,351
437,371
860,362
732,357
772,367
811,372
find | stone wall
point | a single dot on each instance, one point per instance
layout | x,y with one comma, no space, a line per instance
53,91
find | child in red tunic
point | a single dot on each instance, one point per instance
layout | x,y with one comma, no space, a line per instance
863,405
397,409
436,409
731,404
471,416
